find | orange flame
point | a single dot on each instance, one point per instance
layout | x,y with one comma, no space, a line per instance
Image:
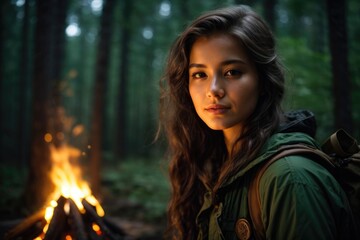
68,183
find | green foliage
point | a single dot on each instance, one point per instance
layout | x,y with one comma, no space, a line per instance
12,182
141,183
308,83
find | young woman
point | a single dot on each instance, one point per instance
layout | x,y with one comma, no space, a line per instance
221,111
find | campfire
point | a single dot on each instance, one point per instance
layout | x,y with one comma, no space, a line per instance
72,211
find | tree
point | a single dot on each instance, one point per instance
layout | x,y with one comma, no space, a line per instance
78,105
123,79
2,38
24,80
336,12
42,133
101,80
269,13
58,48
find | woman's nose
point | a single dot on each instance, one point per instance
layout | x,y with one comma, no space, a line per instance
216,88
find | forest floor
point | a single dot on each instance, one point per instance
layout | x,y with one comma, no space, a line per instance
136,193
134,196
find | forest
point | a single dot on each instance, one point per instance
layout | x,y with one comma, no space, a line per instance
85,74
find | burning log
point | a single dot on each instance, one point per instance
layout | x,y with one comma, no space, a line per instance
98,220
67,222
76,221
58,221
29,228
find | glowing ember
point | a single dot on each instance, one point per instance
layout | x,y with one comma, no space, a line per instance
96,228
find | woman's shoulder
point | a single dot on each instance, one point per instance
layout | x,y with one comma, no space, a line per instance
299,193
298,171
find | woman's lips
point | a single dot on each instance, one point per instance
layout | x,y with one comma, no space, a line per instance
217,108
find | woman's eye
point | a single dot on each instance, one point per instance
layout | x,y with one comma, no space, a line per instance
233,73
198,75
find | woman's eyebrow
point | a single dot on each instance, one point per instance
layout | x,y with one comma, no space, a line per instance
234,61
196,65
224,63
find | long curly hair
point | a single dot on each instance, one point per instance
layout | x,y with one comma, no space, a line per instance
199,161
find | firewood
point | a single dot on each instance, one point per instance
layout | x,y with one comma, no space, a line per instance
99,221
30,227
58,221
113,226
76,222
68,221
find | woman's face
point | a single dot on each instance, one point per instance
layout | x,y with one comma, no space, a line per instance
223,82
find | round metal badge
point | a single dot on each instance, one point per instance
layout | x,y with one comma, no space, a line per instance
243,229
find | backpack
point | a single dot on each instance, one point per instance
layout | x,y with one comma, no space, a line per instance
340,154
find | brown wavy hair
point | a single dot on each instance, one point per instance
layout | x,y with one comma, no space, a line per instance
198,154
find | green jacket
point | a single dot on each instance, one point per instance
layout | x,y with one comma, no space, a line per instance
299,199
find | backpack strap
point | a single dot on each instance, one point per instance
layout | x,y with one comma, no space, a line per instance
253,193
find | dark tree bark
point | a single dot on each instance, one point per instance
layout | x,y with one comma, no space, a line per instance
58,46
101,80
318,30
2,39
39,184
185,11
269,13
147,111
80,103
336,12
121,117
24,84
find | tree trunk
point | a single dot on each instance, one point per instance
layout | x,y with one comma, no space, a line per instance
58,42
246,2
147,111
39,185
336,11
269,13
318,29
185,11
46,76
123,81
101,80
24,85
80,83
2,39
